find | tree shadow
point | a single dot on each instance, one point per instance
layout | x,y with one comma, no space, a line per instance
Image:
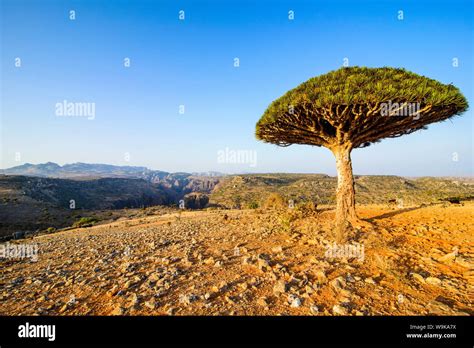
400,211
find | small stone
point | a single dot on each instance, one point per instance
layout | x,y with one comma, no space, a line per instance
294,301
187,299
244,286
262,301
277,249
151,303
230,299
448,257
433,281
418,277
218,264
165,261
246,260
339,310
41,299
338,283
314,309
133,300
117,311
63,308
279,287
321,277
263,264
113,291
369,280
154,277
461,261
209,261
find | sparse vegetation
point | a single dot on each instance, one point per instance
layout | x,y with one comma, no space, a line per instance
275,201
253,205
85,222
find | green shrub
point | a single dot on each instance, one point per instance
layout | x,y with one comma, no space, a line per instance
286,222
275,201
306,208
253,205
85,222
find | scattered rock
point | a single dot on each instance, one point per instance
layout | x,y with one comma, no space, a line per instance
262,301
338,283
151,303
187,299
133,300
209,261
448,258
433,281
263,264
154,277
280,287
321,278
277,249
418,278
339,310
369,281
294,301
244,286
117,311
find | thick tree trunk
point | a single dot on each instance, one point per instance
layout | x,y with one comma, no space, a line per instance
345,196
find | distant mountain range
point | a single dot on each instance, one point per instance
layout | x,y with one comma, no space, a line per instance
96,170
35,196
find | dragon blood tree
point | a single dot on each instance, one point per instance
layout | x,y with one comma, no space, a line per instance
351,108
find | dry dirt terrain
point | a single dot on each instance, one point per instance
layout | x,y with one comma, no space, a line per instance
415,261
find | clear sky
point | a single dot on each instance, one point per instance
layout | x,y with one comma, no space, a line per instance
190,62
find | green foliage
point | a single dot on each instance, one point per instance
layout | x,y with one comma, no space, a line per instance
349,107
361,85
275,201
286,222
253,205
85,222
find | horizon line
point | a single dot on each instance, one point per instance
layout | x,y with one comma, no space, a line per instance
229,173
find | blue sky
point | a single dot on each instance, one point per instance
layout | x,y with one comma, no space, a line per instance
191,63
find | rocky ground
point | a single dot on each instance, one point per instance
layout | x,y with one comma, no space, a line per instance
415,261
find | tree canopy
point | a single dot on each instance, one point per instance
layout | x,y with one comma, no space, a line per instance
356,106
